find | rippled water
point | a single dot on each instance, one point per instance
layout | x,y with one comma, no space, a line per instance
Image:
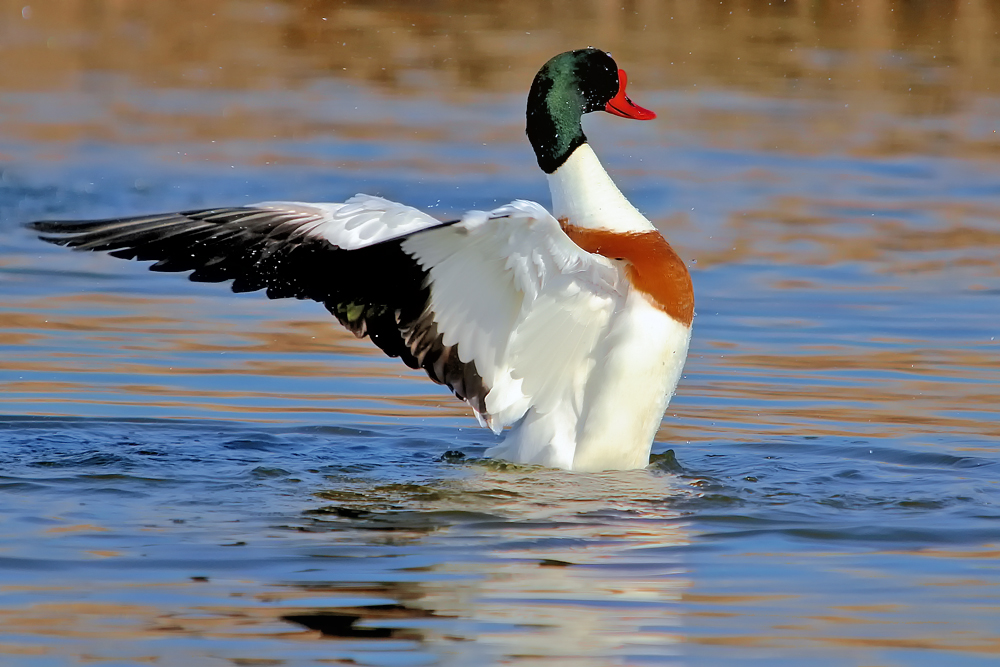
192,477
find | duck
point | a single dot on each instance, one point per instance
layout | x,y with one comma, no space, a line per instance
566,332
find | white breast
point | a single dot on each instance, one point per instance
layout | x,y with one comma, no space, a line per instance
630,388
636,368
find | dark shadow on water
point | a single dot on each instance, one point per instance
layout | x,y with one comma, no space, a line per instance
343,623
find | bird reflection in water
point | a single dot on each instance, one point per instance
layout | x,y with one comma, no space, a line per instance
528,561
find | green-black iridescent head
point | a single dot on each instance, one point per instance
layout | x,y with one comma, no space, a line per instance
569,85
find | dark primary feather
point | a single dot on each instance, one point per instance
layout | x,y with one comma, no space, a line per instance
378,291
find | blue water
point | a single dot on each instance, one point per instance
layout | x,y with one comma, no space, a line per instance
192,477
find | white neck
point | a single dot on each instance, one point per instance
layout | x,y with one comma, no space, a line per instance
584,194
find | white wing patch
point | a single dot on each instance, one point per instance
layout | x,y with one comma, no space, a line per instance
361,221
523,302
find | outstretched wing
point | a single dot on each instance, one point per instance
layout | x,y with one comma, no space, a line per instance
501,307
519,300
347,256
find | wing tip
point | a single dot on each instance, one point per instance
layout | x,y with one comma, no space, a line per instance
49,226
58,232
55,231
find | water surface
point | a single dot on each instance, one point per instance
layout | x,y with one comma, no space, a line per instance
192,477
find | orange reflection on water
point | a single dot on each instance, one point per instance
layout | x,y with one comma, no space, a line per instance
874,100
887,65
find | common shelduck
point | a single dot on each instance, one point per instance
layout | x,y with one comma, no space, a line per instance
570,328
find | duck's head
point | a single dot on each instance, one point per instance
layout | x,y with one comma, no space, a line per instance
568,86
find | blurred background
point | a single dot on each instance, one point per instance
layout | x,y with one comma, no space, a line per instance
891,67
829,170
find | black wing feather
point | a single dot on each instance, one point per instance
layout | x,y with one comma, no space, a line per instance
378,291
